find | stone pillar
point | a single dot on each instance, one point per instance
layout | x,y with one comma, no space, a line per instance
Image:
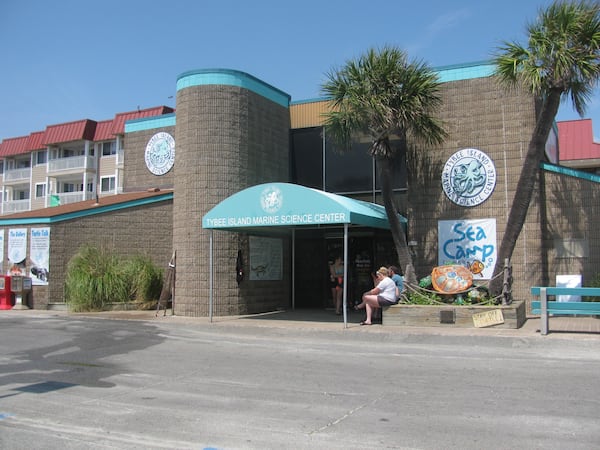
232,132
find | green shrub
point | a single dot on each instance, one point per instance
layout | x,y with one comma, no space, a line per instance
144,278
96,278
594,283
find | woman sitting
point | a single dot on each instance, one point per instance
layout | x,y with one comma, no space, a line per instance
383,294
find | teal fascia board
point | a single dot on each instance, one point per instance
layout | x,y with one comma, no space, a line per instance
150,123
291,205
465,71
86,212
570,172
227,77
445,74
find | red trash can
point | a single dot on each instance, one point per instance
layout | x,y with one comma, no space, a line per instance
6,295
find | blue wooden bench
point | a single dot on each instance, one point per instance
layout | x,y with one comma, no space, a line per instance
544,308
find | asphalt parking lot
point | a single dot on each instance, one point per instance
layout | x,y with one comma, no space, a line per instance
286,380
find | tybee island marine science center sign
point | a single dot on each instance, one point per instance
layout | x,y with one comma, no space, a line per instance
469,177
285,204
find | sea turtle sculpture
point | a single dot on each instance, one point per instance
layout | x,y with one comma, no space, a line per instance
451,279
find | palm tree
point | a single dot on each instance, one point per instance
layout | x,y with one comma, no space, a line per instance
390,100
561,60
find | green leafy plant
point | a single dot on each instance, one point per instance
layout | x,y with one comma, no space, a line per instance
97,277
144,278
594,283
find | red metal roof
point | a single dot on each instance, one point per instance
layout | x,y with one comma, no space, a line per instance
14,146
36,141
121,118
576,140
104,131
70,131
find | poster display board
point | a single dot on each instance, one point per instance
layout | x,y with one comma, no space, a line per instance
266,255
39,255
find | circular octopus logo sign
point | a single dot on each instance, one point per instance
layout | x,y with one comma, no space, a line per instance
271,200
160,153
469,177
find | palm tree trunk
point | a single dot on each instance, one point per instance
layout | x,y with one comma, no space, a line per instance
526,185
404,258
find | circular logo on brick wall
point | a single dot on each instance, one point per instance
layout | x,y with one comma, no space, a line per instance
160,153
469,177
271,199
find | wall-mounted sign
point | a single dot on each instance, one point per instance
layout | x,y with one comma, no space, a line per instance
160,153
469,177
266,256
470,243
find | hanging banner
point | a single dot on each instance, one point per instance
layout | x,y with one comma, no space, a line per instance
471,243
39,255
17,251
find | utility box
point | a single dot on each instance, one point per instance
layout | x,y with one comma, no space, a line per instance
7,298
20,286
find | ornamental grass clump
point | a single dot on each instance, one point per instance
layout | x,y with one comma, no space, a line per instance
144,278
97,278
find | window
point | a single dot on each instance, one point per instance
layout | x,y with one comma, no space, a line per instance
109,148
353,171
41,157
40,190
107,184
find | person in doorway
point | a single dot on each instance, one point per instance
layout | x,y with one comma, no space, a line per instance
336,271
397,279
383,294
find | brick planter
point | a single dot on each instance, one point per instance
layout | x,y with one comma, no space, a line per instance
452,315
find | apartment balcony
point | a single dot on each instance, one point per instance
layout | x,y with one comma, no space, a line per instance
17,175
71,164
15,206
74,197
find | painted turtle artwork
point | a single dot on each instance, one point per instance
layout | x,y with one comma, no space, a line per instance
451,279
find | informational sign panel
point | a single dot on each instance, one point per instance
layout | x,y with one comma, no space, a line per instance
39,254
266,255
568,281
17,250
471,243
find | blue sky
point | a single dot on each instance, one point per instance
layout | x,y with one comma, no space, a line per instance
67,60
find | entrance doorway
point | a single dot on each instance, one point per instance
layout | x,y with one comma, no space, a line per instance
316,250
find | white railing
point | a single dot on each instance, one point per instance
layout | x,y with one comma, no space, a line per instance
17,174
74,197
15,206
71,163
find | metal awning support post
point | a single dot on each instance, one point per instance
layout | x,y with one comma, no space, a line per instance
210,276
345,275
293,268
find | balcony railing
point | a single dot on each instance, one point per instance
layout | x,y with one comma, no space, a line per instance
73,197
17,174
15,206
71,163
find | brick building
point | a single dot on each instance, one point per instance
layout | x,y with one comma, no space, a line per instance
143,181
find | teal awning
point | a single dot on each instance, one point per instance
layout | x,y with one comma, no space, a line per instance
291,205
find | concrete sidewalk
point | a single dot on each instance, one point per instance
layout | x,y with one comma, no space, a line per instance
318,319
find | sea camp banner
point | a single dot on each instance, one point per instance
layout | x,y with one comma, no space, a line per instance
39,254
471,243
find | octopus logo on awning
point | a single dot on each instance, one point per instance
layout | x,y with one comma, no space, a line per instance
271,199
469,177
